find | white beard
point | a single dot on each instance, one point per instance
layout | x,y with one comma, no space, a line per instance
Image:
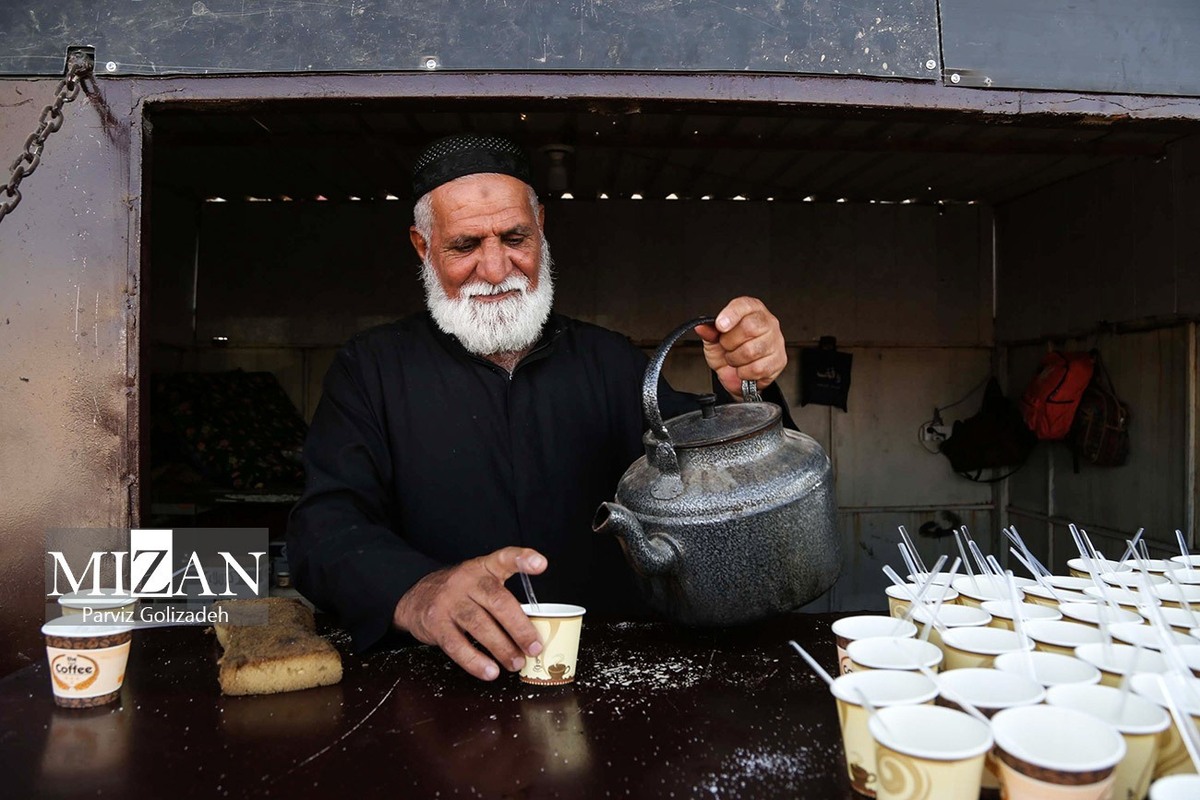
503,326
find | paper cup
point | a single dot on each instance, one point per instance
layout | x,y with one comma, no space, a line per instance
899,600
1187,575
1044,597
1176,787
1002,613
941,579
1120,660
1179,619
1051,636
1137,633
883,688
978,647
105,608
1173,758
989,691
952,617
1140,722
559,626
1123,597
1190,561
974,590
1078,569
928,752
1170,594
1051,752
893,652
1133,580
87,662
865,626
1049,669
1090,613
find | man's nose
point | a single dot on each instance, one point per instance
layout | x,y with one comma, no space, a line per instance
493,264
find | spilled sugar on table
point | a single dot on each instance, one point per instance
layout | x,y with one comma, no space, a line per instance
657,711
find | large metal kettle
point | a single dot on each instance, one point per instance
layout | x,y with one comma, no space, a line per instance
729,517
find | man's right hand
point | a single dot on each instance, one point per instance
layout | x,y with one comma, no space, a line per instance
447,606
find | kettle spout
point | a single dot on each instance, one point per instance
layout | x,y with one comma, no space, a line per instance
653,555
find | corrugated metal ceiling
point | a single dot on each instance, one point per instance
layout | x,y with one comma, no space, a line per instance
340,151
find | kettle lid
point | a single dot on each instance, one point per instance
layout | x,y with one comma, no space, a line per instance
714,424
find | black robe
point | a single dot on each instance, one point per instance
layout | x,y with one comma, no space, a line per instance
422,455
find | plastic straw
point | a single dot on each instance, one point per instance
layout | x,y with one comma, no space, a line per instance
909,563
937,606
812,662
1183,548
966,560
1183,720
913,549
1015,538
1131,549
529,595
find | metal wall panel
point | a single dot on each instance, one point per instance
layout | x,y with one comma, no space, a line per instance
65,322
1149,372
1147,47
866,37
1102,246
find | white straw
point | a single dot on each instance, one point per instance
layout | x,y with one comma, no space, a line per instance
812,662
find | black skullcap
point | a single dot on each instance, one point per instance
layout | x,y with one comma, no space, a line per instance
467,154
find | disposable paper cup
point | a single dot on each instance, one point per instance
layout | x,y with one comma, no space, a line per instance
989,691
1173,758
1049,669
928,752
941,579
1044,597
1132,579
883,688
865,626
1191,561
1176,787
1002,612
899,600
893,652
953,617
1051,636
87,662
559,626
1138,633
1052,752
1089,614
1120,660
974,590
1122,597
1170,594
1078,569
107,607
1195,633
978,647
1069,583
1140,722
1187,575
1179,619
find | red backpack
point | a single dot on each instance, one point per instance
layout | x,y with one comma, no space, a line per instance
1051,398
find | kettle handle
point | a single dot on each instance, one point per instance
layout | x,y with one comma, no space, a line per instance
650,382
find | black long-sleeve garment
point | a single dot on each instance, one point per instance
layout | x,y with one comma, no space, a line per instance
421,455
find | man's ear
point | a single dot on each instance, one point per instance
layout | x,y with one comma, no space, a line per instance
418,242
541,217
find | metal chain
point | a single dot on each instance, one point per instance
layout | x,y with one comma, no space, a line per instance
79,64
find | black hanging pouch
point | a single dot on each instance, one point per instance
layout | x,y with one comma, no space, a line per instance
825,374
996,437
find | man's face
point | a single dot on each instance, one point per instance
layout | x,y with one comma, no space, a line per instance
486,266
484,232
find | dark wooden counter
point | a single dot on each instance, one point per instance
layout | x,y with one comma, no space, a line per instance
656,712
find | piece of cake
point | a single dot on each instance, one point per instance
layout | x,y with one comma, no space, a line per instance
271,647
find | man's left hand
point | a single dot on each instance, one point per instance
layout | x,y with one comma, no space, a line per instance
746,344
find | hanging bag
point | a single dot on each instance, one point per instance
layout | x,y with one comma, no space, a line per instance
1051,398
1101,430
993,438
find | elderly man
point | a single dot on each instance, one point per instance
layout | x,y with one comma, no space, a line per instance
455,448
